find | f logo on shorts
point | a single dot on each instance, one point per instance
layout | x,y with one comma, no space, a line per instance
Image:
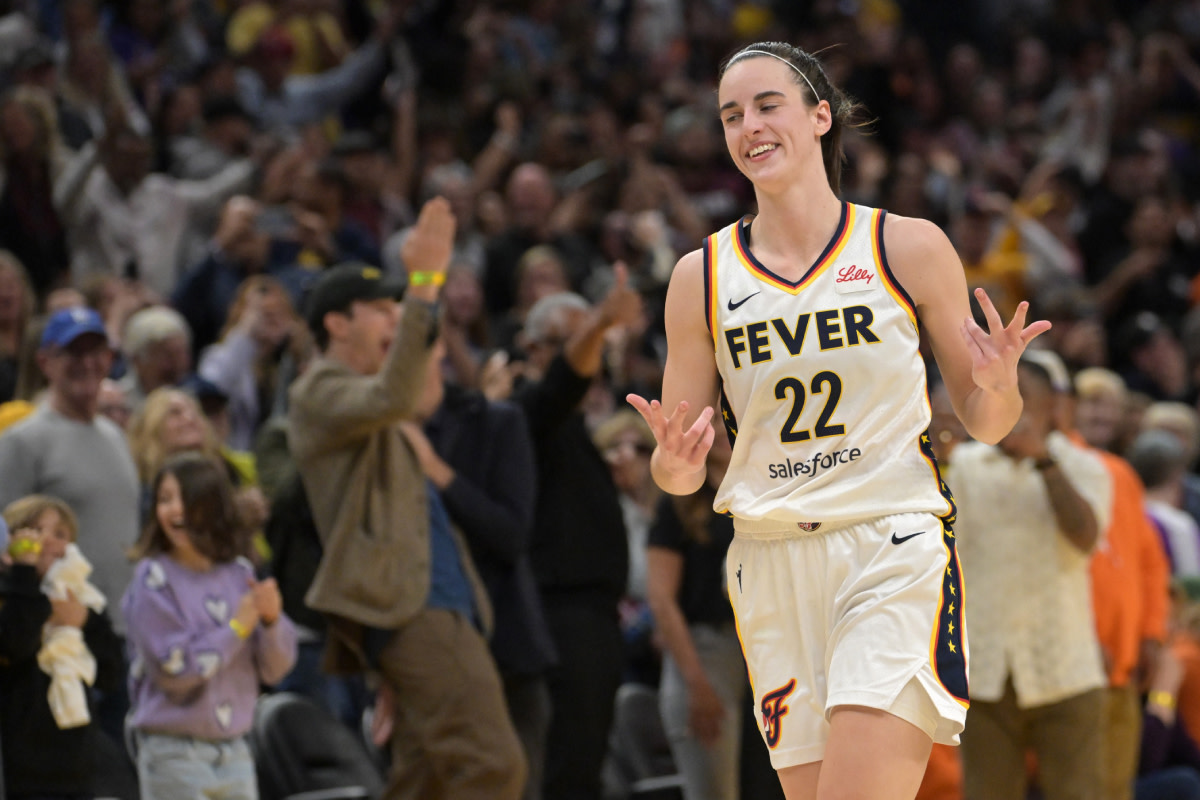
774,710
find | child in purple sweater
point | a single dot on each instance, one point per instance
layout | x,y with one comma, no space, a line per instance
203,636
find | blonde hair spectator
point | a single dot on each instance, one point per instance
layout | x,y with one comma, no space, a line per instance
169,422
1101,404
39,106
24,513
17,303
31,381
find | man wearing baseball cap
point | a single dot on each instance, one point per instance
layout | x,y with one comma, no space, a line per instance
396,581
67,449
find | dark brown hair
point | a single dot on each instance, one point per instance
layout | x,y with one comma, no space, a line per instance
844,110
213,522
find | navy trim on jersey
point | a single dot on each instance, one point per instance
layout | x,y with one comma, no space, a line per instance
727,417
708,288
744,241
883,261
949,658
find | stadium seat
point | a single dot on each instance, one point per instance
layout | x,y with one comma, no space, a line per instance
639,764
303,753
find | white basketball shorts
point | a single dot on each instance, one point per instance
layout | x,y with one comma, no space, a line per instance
866,614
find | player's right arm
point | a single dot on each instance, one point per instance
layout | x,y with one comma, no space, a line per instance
684,434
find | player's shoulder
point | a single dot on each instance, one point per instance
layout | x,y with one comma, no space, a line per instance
691,260
689,268
908,238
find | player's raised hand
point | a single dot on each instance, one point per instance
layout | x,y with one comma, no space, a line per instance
995,352
680,451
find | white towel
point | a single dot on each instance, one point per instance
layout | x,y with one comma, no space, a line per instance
70,574
64,656
68,662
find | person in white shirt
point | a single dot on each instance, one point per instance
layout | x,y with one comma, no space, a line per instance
1031,510
123,220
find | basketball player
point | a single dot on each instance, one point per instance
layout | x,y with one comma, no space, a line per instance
801,325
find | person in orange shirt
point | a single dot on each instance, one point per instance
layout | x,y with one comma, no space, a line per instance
943,776
1185,644
1130,598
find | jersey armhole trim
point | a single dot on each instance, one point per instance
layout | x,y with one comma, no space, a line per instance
885,271
709,248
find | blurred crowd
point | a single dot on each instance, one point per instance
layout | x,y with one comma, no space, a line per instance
175,175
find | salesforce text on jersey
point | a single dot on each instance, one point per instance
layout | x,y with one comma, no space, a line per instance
811,466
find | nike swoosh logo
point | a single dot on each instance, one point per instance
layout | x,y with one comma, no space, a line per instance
902,539
735,306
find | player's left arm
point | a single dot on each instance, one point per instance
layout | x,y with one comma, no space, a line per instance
978,366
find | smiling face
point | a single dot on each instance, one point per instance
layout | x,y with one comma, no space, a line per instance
172,518
360,337
771,131
182,425
56,534
75,372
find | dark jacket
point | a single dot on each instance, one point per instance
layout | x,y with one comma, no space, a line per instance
580,547
295,547
492,500
39,757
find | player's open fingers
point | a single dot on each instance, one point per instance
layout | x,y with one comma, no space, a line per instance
640,404
1035,330
673,435
995,324
1018,319
703,444
976,339
703,422
651,411
696,432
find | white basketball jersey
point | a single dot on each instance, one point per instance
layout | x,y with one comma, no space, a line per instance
823,388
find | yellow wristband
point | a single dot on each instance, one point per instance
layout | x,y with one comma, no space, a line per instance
20,547
241,630
1162,699
426,278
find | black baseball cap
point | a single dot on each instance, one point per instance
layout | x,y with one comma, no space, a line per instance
339,286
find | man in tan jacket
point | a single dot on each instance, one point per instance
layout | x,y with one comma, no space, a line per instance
396,580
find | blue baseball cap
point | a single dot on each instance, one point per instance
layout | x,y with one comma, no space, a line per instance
69,324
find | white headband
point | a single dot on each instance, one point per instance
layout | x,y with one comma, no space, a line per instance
738,57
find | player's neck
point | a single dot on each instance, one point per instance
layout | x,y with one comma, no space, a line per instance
799,222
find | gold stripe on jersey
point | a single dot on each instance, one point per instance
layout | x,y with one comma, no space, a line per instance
710,285
947,653
885,272
755,267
